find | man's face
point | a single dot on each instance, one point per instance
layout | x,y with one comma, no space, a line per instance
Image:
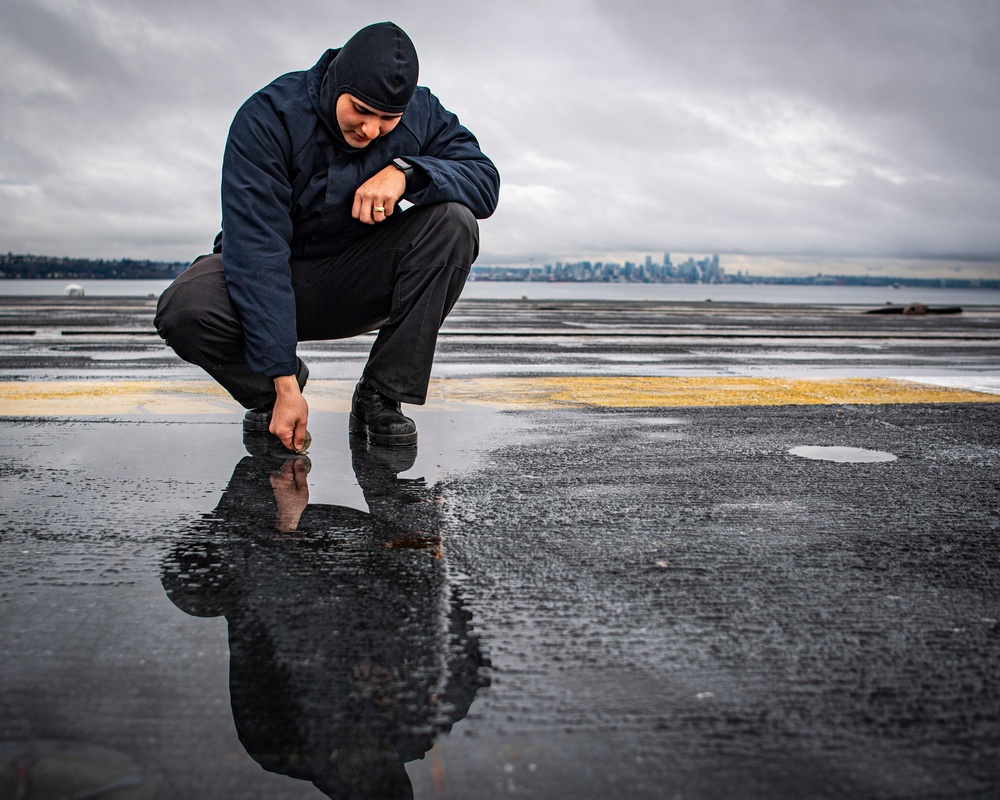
360,123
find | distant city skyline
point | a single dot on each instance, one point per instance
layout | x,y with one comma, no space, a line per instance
793,266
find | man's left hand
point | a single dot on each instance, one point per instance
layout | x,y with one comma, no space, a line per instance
376,198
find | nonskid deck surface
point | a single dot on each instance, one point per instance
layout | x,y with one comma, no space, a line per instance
755,577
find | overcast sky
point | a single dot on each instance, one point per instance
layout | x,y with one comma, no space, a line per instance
796,128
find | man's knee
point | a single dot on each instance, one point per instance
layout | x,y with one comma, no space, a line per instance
458,215
461,219
170,310
454,225
198,299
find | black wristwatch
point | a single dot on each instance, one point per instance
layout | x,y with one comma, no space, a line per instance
405,166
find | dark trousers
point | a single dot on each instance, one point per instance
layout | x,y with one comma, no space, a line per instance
401,280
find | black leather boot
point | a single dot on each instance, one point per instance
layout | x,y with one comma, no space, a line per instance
375,415
258,420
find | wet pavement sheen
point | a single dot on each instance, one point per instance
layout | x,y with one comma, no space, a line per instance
659,605
541,601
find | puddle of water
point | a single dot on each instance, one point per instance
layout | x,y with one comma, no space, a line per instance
847,455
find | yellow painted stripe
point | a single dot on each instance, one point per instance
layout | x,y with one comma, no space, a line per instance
103,398
665,392
98,398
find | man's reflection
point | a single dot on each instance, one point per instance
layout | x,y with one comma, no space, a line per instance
349,651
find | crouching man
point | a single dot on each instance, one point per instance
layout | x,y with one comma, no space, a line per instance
314,245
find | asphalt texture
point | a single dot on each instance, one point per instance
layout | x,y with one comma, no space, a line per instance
556,595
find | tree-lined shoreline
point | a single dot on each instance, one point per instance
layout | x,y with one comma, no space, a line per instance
27,267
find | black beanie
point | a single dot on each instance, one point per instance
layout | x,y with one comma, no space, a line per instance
378,65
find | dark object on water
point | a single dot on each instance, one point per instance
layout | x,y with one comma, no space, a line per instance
915,309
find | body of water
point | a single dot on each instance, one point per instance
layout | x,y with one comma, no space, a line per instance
96,288
683,292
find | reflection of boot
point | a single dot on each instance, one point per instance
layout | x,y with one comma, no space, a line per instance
380,418
377,468
406,512
380,465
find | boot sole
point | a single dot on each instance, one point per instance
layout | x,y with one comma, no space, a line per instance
358,427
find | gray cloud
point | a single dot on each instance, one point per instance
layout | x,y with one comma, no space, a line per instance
777,127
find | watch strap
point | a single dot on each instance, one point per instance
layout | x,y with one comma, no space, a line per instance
404,166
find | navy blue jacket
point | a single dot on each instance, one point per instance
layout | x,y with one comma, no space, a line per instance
288,184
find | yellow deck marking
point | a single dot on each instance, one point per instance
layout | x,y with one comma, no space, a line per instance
665,392
103,398
97,398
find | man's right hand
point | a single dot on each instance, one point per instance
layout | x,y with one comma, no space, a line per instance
291,412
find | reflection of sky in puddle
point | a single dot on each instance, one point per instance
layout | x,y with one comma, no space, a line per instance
846,455
354,355
813,355
872,353
631,326
612,369
121,355
636,359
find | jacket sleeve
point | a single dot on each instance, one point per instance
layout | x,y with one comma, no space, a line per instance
450,166
257,230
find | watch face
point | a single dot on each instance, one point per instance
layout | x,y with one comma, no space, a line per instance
403,165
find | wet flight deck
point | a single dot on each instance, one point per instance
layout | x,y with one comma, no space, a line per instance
645,550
